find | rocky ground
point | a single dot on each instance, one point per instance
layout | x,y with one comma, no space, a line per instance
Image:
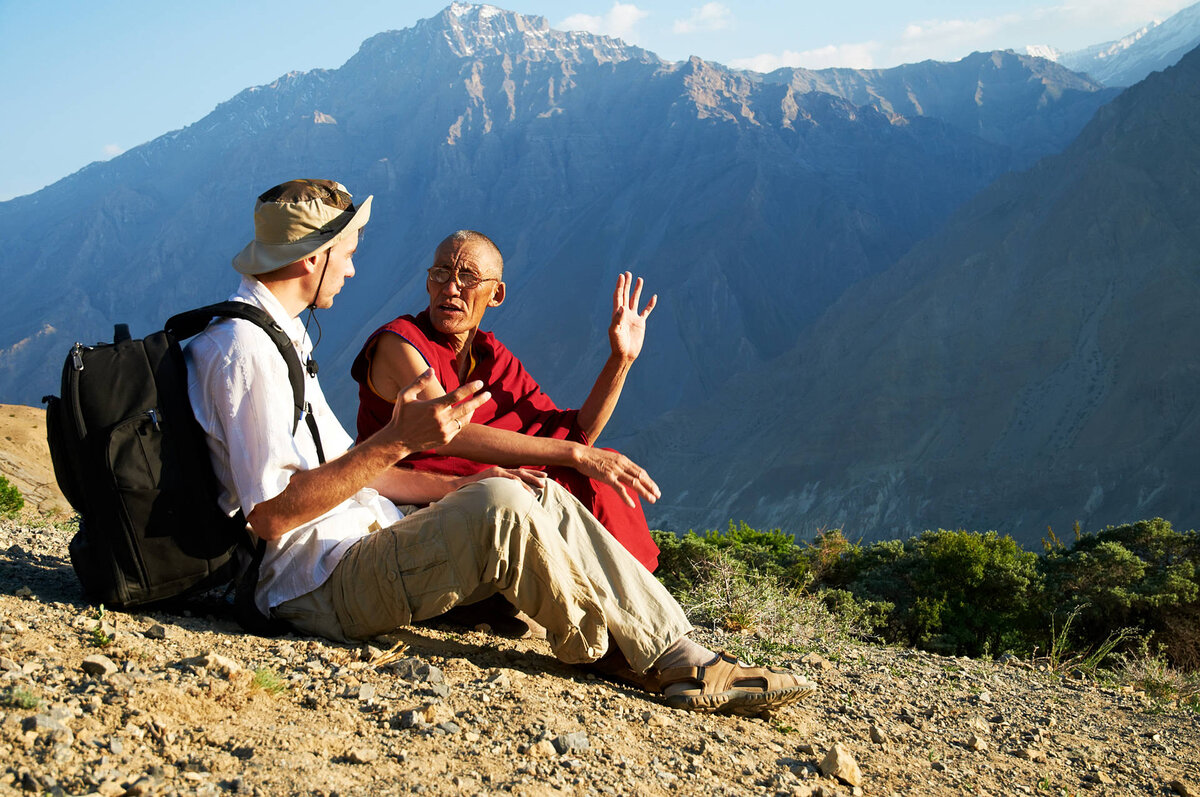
182,702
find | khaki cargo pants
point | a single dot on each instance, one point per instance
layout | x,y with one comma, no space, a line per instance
544,552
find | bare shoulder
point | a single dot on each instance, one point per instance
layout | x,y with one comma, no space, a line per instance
395,363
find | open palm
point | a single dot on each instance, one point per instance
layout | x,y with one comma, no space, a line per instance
627,331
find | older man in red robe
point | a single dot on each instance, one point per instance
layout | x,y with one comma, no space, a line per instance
519,426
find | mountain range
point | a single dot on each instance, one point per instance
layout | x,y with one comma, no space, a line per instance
760,208
1131,58
1030,365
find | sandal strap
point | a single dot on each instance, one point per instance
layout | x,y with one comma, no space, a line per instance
725,673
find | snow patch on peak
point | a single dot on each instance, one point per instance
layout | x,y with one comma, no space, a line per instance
1043,51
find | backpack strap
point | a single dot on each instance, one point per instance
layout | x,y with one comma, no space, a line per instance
192,322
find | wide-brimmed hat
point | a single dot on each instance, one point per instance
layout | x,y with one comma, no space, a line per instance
297,219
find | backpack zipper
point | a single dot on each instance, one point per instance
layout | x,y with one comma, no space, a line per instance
76,369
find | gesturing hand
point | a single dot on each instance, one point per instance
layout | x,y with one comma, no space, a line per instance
420,425
628,328
619,472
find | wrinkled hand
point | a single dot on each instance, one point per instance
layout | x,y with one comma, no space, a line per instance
530,479
421,425
619,472
628,328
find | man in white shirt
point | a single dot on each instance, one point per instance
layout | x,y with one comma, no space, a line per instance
342,563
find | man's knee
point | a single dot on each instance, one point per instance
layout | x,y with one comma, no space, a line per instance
499,494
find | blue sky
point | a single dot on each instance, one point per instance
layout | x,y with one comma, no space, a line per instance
87,80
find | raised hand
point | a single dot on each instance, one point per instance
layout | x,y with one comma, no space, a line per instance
421,425
619,472
628,328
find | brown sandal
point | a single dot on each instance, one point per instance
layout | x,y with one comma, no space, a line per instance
726,686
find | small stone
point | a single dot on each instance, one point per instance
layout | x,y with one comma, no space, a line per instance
1031,754
366,693
214,662
571,742
23,592
979,725
542,749
98,664
417,671
362,755
879,735
977,743
1183,789
448,727
499,679
156,631
110,788
143,785
413,719
984,697
838,763
657,719
817,662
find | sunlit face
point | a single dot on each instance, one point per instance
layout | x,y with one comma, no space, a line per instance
339,268
457,311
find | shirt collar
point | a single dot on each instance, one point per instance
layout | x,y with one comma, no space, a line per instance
253,291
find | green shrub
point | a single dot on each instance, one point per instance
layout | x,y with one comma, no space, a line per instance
745,582
953,592
1141,575
11,500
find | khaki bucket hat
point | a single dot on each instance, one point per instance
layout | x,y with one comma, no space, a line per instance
297,219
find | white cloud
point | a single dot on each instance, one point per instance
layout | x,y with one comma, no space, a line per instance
1121,11
112,150
620,21
950,38
856,56
710,16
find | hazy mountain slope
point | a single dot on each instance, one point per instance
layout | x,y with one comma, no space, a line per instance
1032,364
1032,106
749,205
1133,57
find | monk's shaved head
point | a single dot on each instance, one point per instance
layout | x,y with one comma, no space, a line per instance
460,237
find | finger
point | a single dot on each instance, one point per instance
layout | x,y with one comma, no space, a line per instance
466,410
650,306
417,386
461,393
617,292
637,294
637,478
533,478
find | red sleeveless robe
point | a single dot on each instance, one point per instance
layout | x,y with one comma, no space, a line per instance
518,405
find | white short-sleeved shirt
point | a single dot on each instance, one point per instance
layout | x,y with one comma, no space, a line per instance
240,393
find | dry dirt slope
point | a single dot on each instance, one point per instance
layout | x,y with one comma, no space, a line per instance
181,702
25,458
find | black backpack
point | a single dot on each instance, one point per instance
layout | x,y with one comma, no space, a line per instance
132,460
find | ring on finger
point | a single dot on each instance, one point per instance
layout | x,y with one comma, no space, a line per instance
457,424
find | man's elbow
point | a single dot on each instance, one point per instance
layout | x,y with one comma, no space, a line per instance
264,525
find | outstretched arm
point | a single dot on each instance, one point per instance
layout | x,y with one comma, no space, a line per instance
394,361
625,335
415,425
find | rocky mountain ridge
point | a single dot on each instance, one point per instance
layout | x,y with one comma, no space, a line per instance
1028,366
1131,58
